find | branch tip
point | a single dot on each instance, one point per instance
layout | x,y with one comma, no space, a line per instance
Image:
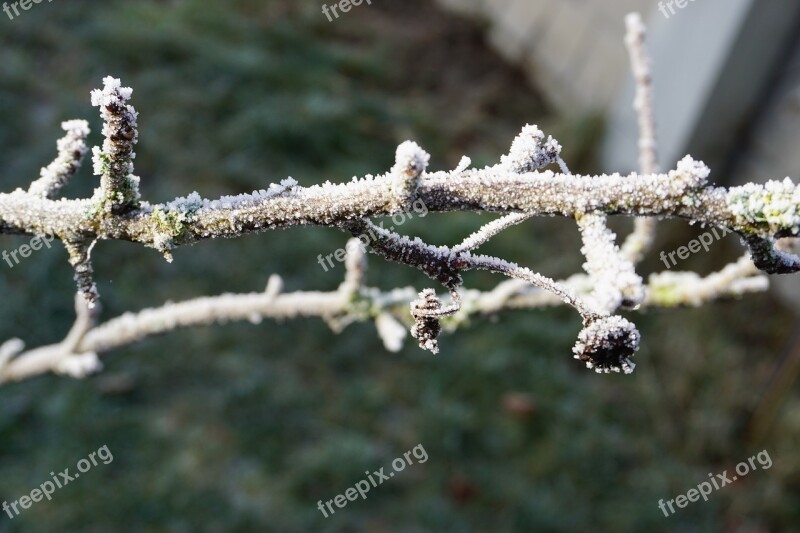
119,188
71,149
411,161
530,151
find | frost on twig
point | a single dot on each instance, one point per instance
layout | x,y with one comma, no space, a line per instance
71,149
529,152
437,262
560,290
641,239
768,257
615,281
389,309
391,331
489,230
65,357
119,188
635,36
74,362
672,289
410,164
80,258
613,276
775,205
355,264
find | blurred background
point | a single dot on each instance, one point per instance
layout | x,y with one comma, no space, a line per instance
245,427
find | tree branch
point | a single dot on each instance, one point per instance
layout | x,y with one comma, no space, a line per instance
518,187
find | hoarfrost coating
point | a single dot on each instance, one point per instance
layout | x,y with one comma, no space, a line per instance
518,188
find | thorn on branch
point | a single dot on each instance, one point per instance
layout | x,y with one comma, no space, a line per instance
119,188
71,149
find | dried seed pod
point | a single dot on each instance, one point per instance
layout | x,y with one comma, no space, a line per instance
607,343
426,312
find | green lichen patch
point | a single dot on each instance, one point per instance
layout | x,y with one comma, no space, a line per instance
772,207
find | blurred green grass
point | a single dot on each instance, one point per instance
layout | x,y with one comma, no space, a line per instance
246,426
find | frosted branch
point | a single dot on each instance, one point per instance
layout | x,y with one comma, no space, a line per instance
71,149
80,258
613,276
517,188
410,164
672,289
388,309
529,152
641,239
119,188
489,230
67,357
